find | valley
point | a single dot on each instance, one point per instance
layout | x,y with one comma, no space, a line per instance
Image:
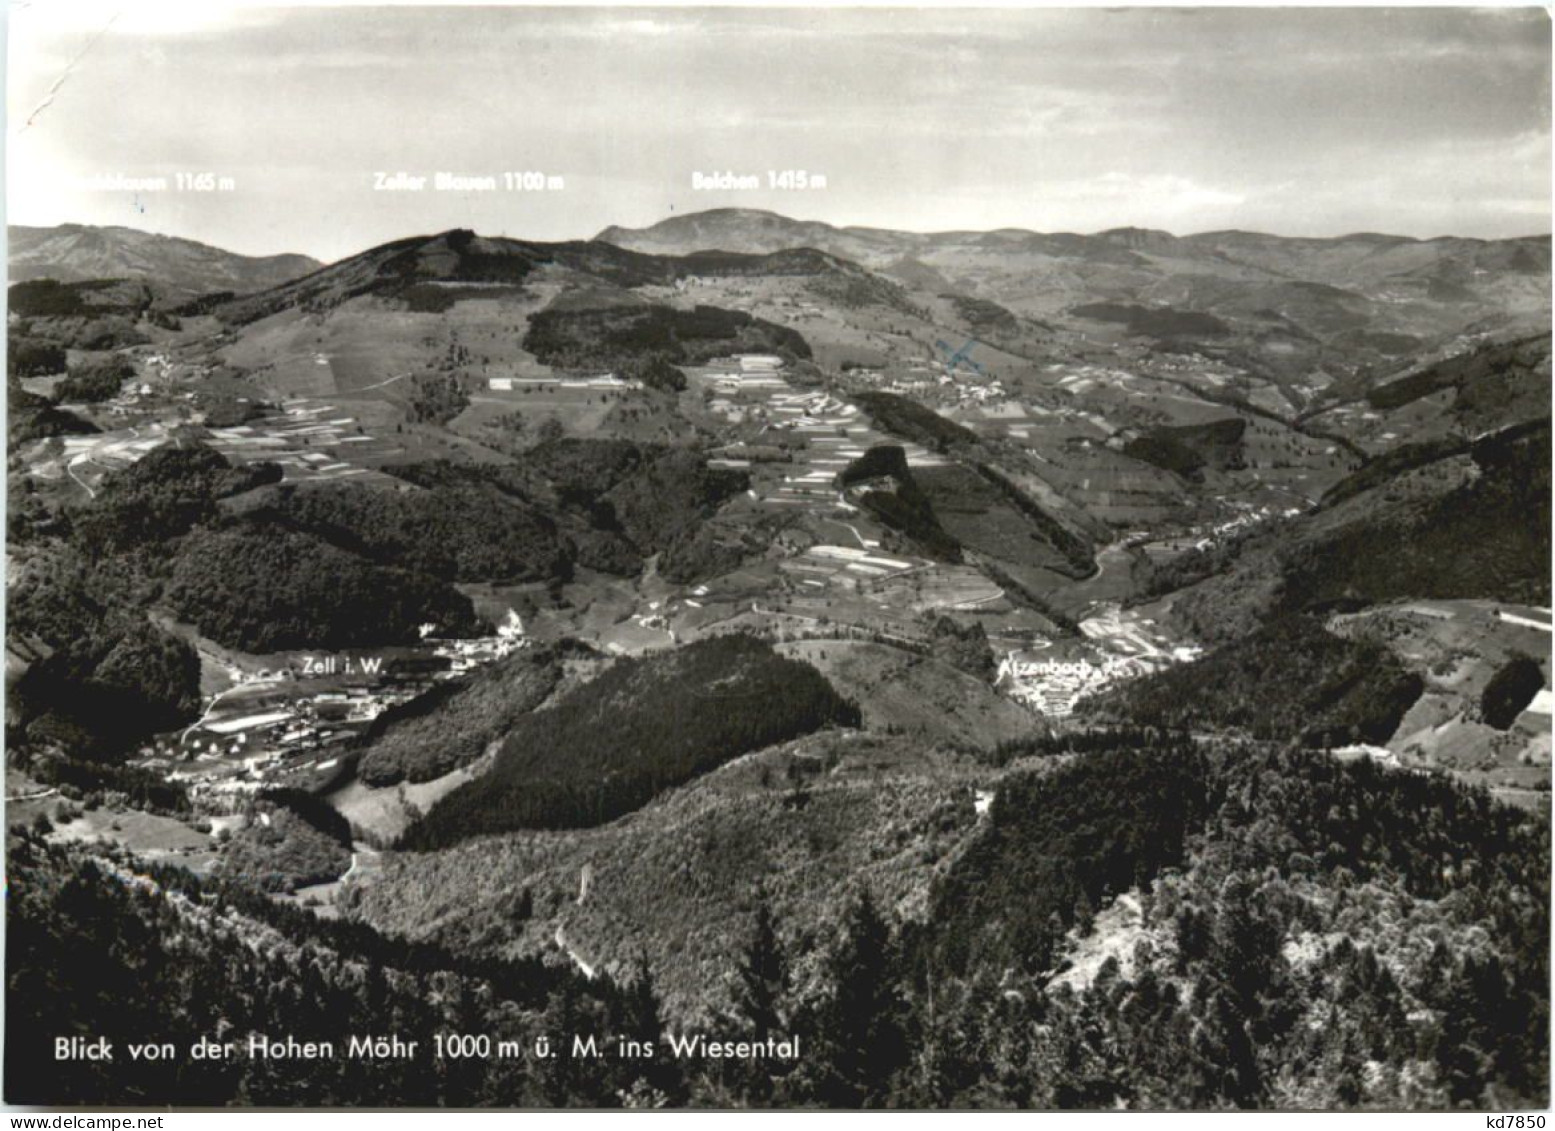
561,605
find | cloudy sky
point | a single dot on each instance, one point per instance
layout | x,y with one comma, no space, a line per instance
1298,121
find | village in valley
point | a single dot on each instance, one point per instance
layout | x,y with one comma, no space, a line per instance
291,720
275,719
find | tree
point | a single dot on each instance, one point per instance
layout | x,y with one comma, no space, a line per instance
863,1025
657,373
95,379
1510,690
763,977
435,398
641,1019
759,1000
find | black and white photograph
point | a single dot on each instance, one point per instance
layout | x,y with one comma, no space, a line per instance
824,557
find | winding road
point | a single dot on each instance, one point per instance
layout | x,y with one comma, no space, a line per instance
82,483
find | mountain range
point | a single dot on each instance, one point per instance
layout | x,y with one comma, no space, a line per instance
77,252
1285,291
1359,259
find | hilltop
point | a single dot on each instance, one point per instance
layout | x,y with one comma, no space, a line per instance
78,252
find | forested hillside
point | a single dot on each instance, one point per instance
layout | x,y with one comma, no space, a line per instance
86,579
910,420
461,531
102,674
89,938
262,589
1302,933
604,504
1288,680
454,723
1306,933
881,482
620,337
1485,534
644,725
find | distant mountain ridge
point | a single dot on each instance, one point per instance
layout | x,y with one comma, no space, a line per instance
1354,260
78,252
749,225
1280,296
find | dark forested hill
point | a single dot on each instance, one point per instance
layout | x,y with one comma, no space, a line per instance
105,676
1288,680
604,504
463,531
644,725
1471,524
454,724
881,482
263,589
617,337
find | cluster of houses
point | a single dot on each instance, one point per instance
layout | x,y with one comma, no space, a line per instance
1052,687
993,392
468,654
918,378
284,724
158,376
236,753
1119,646
1253,516
1200,367
797,310
1204,537
935,383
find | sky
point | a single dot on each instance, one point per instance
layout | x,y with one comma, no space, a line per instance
1297,121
